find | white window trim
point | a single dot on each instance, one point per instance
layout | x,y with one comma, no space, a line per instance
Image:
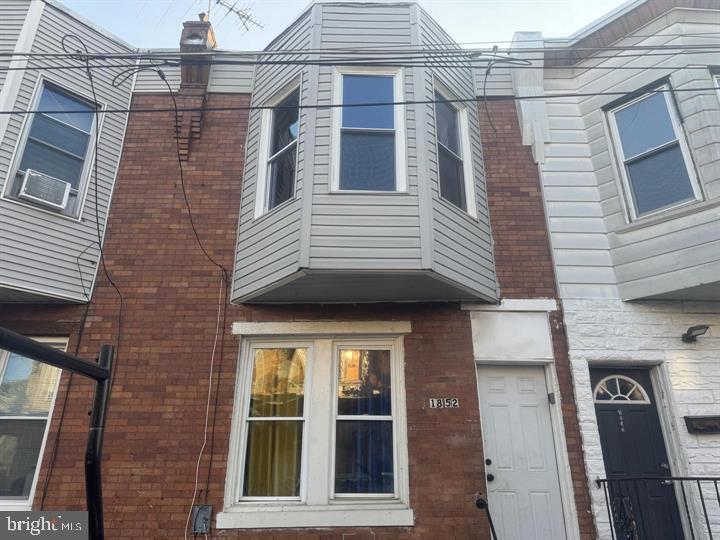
26,504
316,506
398,75
465,146
262,188
88,164
622,169
716,80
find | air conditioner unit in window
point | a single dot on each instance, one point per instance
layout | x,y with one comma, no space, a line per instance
44,189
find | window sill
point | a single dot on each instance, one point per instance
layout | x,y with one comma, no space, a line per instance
257,516
40,208
15,506
682,210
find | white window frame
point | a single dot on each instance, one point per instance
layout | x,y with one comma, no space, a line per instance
679,138
398,75
465,147
317,505
26,504
19,150
262,188
716,80
644,401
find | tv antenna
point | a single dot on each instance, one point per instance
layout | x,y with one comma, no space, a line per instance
244,16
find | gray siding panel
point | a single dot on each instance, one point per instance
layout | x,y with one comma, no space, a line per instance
40,250
268,247
12,16
471,263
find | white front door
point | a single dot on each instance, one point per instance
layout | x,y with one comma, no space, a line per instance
522,477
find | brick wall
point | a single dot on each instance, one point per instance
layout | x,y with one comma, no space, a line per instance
170,291
524,261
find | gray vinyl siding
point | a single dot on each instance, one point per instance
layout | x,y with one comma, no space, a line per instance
12,16
41,251
268,248
499,82
598,251
232,78
462,245
148,82
356,230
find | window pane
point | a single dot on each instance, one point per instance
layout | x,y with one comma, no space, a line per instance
20,442
368,89
54,100
285,123
660,180
452,180
367,161
272,463
44,159
66,138
447,125
282,177
364,457
27,387
644,125
278,383
364,385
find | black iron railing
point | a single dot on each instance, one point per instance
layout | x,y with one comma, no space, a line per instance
697,497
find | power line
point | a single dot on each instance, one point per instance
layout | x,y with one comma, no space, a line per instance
376,104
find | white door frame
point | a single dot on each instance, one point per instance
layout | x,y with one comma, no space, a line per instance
567,494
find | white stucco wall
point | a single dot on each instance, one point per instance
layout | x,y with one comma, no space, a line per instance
686,379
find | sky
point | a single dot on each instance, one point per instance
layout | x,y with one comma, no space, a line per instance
157,23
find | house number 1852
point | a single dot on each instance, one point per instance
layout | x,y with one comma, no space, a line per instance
444,403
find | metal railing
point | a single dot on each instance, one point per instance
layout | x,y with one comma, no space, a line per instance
698,501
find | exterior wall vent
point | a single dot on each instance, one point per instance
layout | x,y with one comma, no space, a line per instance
45,189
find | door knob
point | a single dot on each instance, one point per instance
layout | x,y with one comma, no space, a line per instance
665,466
490,477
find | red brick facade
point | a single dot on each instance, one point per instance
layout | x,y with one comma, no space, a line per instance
524,262
170,291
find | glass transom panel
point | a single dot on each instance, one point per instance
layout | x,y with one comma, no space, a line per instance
619,388
644,125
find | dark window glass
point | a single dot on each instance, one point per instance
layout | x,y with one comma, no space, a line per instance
43,158
57,134
58,101
659,179
283,151
368,89
644,125
367,160
273,459
285,122
20,442
282,177
448,133
452,181
364,457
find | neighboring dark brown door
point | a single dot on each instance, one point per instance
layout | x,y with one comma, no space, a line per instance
633,446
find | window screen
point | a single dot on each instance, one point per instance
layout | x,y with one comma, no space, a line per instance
450,163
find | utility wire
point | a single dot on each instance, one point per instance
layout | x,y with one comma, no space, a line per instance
375,104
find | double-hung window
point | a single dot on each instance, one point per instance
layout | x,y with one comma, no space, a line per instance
57,144
450,162
369,149
318,425
654,159
276,180
27,393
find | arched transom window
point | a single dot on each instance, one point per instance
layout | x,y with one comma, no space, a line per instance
620,388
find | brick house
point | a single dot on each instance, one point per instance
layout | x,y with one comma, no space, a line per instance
336,321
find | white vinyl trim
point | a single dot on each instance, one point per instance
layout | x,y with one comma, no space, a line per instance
516,304
320,328
398,75
316,505
26,504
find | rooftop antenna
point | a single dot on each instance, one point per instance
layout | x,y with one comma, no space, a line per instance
243,14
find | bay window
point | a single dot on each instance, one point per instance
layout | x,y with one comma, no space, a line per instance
654,160
369,149
318,434
27,394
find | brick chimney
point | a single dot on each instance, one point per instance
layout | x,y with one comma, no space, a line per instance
197,37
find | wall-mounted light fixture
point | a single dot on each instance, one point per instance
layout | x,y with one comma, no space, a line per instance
693,332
